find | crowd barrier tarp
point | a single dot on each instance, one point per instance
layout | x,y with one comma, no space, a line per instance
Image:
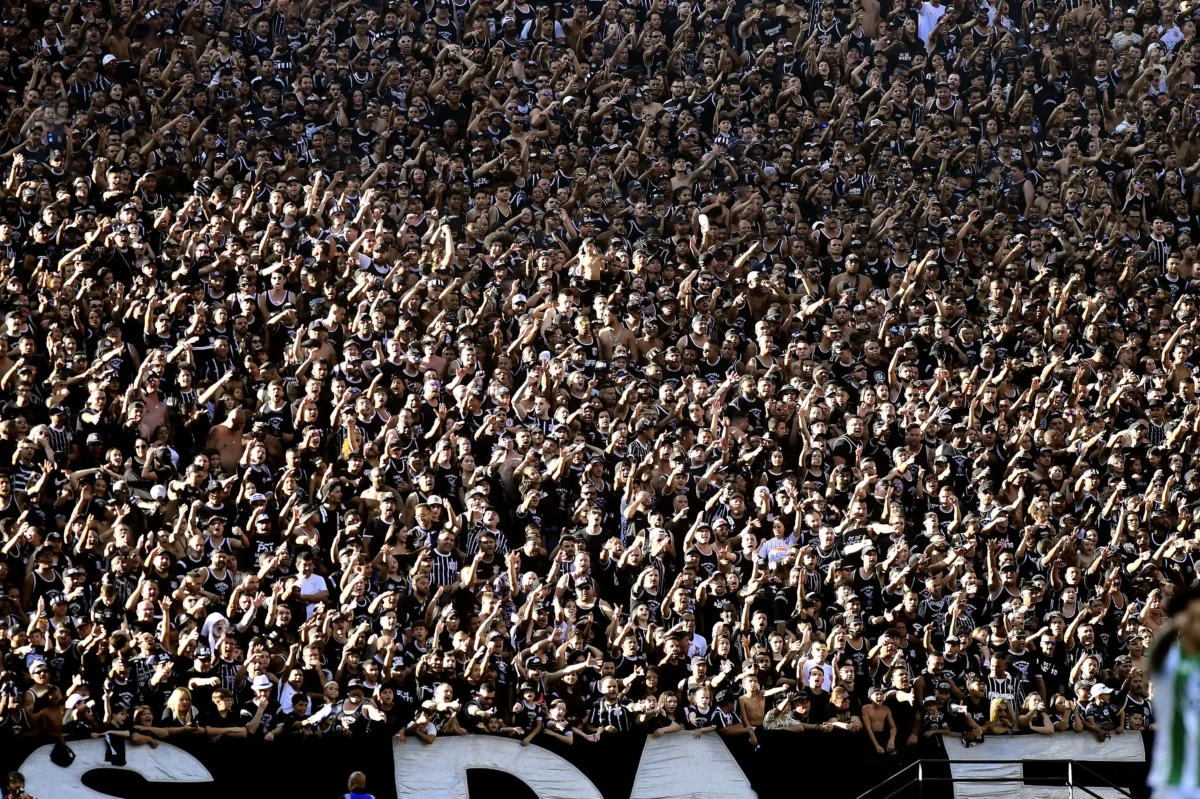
545,773
165,765
1078,746
618,767
984,769
681,767
1121,759
198,768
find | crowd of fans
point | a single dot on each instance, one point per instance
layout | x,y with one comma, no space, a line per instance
570,370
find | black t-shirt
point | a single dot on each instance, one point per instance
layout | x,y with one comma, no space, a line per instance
108,615
231,719
934,721
1054,671
833,713
201,694
978,709
903,713
1025,664
270,718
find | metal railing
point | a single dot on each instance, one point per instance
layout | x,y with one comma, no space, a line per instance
919,778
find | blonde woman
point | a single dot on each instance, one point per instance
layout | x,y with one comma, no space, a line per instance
180,716
1001,718
838,716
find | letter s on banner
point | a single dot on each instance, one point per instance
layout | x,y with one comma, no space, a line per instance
167,764
440,772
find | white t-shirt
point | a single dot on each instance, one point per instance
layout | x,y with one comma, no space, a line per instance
313,584
808,665
776,549
1170,37
928,16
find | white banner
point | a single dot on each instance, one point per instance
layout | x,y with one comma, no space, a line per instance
978,769
440,771
166,764
1059,746
677,766
981,761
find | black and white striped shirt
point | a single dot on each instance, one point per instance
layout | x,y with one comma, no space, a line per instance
211,369
21,475
60,440
1158,250
444,571
473,540
615,715
81,91
1009,687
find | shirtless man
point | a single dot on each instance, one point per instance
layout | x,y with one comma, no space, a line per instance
752,703
868,16
877,718
591,262
683,177
227,439
155,411
6,363
614,334
370,498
